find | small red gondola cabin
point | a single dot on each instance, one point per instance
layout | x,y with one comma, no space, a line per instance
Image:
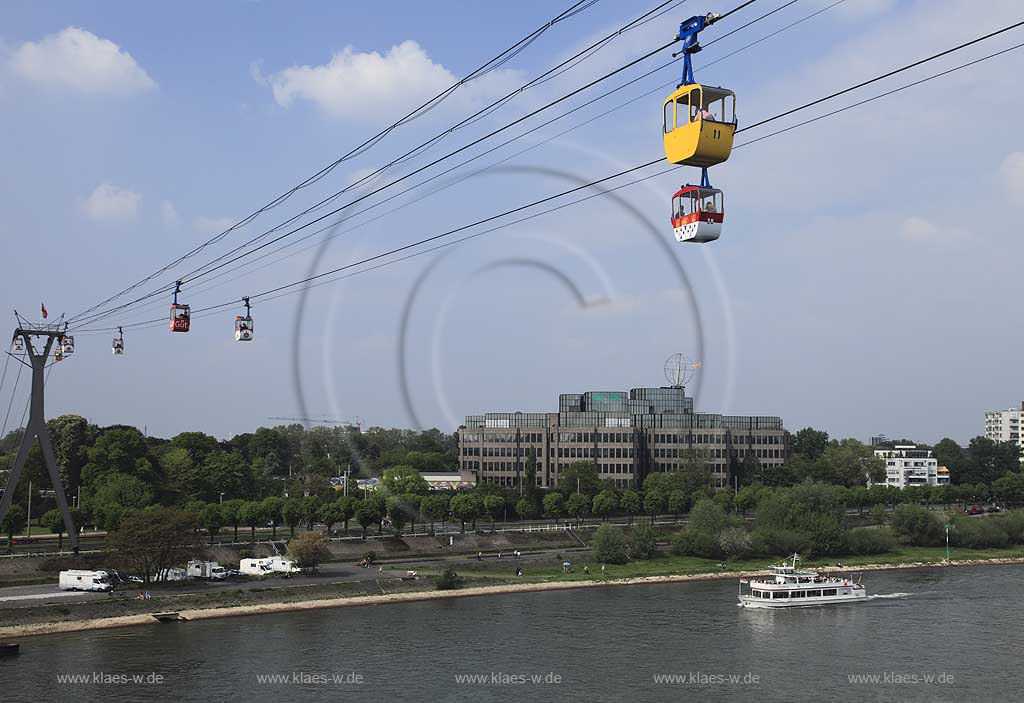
180,318
697,214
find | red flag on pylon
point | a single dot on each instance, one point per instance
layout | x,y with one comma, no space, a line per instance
43,305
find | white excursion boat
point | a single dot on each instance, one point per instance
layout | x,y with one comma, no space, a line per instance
787,587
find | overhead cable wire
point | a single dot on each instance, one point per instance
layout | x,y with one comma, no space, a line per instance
216,263
487,67
403,248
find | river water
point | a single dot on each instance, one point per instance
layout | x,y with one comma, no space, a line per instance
962,627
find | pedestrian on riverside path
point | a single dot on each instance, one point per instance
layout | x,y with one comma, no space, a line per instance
602,569
586,569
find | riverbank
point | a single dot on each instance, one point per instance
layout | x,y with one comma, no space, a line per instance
398,591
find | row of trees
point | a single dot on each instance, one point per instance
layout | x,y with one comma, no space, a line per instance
812,519
117,470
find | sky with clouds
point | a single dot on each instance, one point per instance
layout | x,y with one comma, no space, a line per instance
866,281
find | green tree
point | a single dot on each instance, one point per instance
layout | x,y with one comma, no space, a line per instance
948,453
151,541
746,499
810,442
366,515
212,520
849,463
530,473
493,507
310,510
347,508
655,500
330,515
578,505
271,508
580,477
115,496
293,511
609,545
987,461
605,504
553,506
526,508
231,510
631,503
465,507
309,549
53,520
251,515
398,513
735,542
12,524
435,507
404,479
918,526
644,541
676,502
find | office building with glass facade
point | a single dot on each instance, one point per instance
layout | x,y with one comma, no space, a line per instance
627,435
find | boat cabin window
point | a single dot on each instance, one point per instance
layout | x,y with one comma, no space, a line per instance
780,594
828,592
813,594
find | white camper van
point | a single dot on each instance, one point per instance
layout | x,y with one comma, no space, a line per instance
206,570
269,565
80,580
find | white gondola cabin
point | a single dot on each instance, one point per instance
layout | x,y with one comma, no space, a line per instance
67,345
243,329
697,214
117,348
19,345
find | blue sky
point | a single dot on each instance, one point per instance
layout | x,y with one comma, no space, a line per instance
866,282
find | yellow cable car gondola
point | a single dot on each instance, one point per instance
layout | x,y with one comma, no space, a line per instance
699,121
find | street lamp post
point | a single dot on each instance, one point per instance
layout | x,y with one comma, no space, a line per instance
222,497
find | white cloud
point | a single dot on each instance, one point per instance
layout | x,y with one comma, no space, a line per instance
1012,174
365,86
78,60
169,214
919,230
212,225
108,203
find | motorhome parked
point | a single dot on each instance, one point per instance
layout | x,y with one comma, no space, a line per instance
206,570
81,580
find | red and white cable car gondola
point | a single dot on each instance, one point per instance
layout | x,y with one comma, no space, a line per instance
244,331
697,214
181,317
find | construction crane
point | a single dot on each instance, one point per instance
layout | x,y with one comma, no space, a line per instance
351,422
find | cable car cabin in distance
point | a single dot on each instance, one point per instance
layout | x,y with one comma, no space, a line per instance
699,125
180,318
697,214
243,329
67,345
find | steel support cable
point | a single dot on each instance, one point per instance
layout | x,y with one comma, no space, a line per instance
505,143
327,169
518,209
204,270
324,228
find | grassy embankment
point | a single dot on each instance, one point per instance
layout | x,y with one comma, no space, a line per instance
685,565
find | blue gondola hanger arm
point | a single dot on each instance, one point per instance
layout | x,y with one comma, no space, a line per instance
688,31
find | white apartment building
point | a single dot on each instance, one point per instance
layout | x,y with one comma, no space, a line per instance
1005,426
906,465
